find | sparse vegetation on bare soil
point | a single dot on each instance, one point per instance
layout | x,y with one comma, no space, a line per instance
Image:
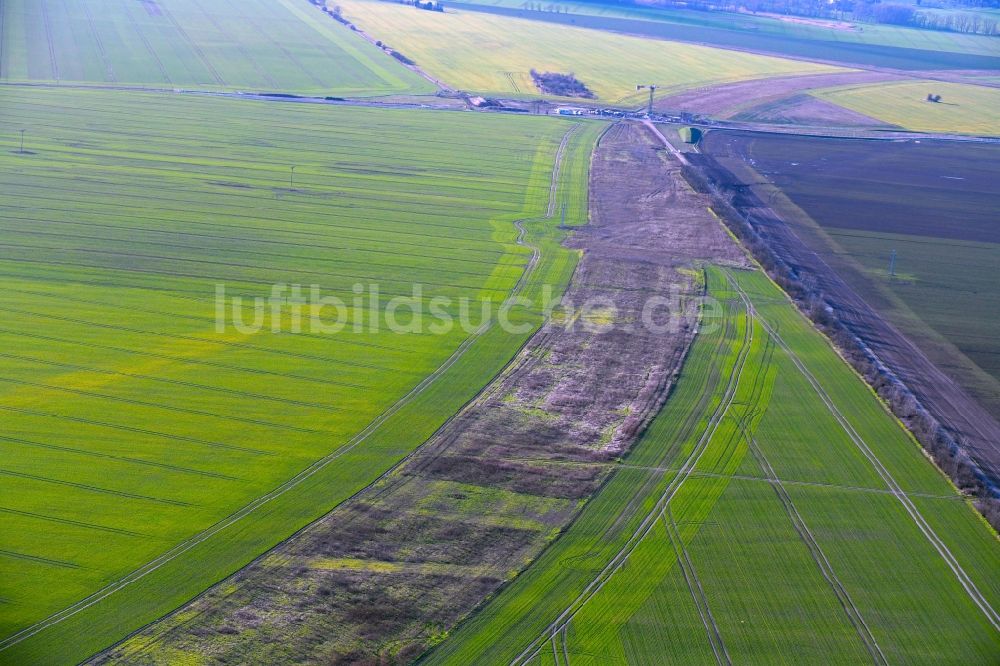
384,575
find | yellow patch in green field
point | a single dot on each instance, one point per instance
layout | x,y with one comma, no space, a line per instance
963,108
354,564
380,566
495,54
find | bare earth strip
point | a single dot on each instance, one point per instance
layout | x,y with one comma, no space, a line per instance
385,574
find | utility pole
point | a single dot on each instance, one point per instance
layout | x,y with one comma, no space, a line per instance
652,89
892,264
562,222
291,178
22,143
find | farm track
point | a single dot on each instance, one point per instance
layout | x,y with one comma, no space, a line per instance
815,551
175,201
136,430
651,518
210,321
190,361
818,556
243,52
204,276
124,459
739,477
173,382
310,234
92,488
963,578
171,408
75,523
477,262
194,46
692,581
109,70
305,474
374,250
145,42
255,253
288,54
193,338
53,62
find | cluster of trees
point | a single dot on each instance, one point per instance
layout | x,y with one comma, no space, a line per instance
867,11
335,13
957,22
430,5
564,85
942,445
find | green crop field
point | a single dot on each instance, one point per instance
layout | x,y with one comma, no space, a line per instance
149,452
495,54
774,512
253,45
823,34
809,39
963,109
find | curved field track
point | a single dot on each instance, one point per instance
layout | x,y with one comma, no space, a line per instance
137,411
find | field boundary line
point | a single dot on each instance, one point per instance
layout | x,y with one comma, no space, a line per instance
158,405
266,76
816,551
288,54
109,70
718,475
302,476
178,359
145,42
700,601
53,63
194,46
963,578
172,382
4,73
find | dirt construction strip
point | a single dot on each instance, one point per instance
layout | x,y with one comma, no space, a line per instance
385,573
305,474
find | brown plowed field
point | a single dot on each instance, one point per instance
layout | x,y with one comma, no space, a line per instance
849,204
